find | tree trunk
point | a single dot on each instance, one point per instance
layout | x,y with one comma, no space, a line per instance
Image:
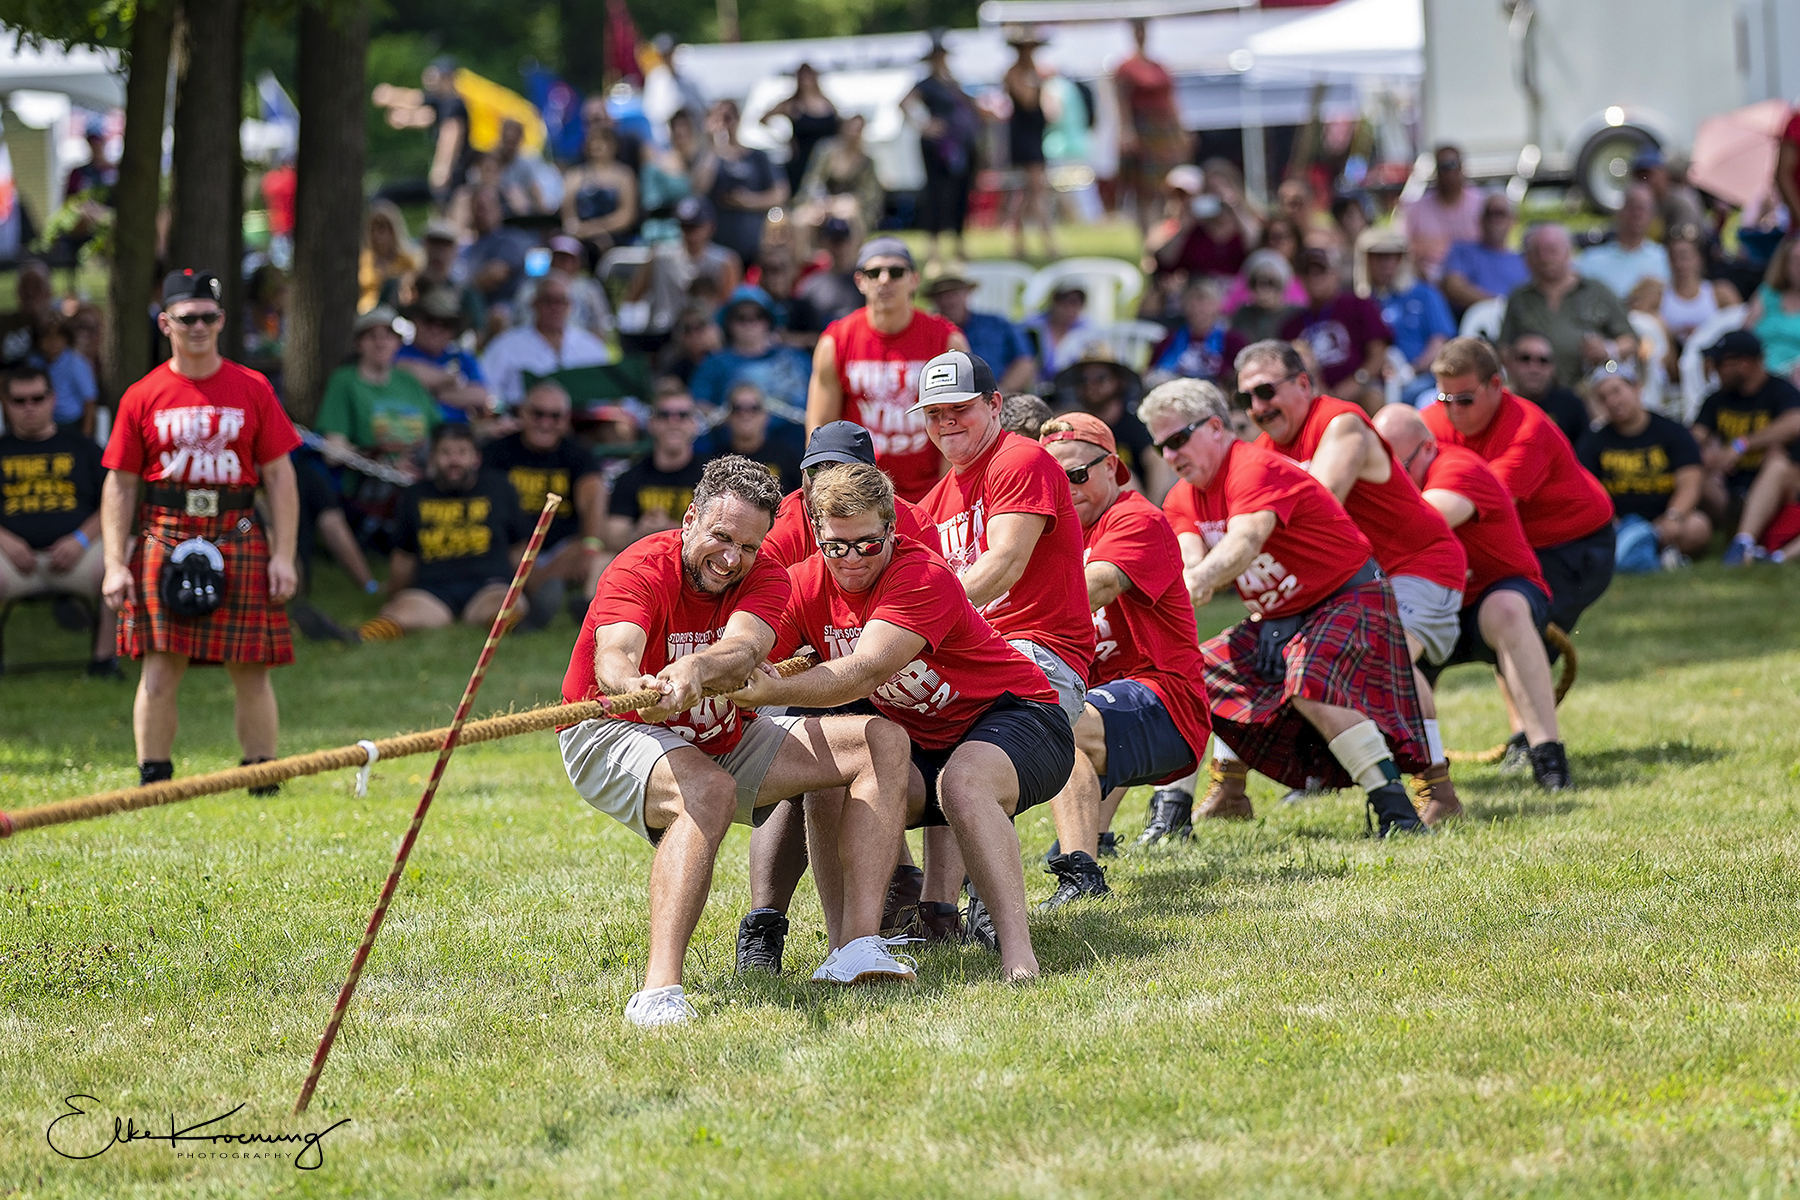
206,229
136,196
583,29
328,199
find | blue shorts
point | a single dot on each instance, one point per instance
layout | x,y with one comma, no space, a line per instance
1471,647
1142,743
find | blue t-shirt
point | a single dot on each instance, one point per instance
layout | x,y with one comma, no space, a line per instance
996,341
1415,316
1496,272
72,379
782,373
453,355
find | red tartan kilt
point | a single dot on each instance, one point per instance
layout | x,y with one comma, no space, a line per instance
247,628
1351,653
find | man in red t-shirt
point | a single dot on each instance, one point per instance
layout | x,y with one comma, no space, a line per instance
893,625
1422,559
794,538
866,366
1149,723
691,612
192,441
1318,682
1509,602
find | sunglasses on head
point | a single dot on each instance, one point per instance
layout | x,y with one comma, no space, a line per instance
1179,438
876,274
1264,391
199,318
864,547
1079,475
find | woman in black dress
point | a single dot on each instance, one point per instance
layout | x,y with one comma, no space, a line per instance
813,118
948,137
1025,141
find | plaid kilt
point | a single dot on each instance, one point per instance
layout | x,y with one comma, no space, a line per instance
1350,653
247,628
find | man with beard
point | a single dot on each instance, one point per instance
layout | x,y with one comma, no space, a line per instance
693,611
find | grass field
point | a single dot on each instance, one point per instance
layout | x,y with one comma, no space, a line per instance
1596,993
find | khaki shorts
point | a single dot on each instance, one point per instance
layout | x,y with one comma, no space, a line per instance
82,579
1430,612
609,762
1071,693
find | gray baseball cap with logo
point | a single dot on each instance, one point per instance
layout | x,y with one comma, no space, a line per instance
954,377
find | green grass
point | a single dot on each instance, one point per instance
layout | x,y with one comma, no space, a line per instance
1587,994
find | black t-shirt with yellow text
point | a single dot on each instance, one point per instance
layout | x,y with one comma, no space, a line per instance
643,489
1731,416
48,488
461,536
1639,472
534,473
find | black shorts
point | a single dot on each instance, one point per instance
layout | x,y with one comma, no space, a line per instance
456,594
1471,647
1142,743
1034,735
1578,572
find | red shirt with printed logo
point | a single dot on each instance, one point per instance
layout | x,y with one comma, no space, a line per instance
1493,537
879,375
964,667
645,586
1148,632
1314,549
1409,536
794,539
212,432
1048,605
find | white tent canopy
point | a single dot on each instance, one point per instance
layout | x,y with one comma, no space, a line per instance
91,78
1352,39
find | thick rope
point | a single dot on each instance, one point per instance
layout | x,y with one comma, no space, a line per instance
1560,640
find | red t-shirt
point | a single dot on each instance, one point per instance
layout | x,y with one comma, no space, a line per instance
964,667
879,375
646,587
1048,605
1558,500
212,432
1410,537
1148,633
278,188
794,539
1315,547
1493,537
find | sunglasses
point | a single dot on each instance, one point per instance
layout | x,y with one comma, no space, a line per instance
1079,475
674,414
1264,391
864,547
1534,360
1460,399
1179,438
538,414
744,410
199,318
33,398
877,274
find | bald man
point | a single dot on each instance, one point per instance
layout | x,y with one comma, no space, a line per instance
1507,601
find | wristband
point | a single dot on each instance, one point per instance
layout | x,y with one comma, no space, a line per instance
82,538
593,545
1739,445
371,587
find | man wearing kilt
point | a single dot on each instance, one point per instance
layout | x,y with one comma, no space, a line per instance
1318,681
200,583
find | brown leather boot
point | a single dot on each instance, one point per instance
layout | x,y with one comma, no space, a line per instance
1435,795
1226,799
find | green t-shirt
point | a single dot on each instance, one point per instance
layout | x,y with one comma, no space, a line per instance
389,418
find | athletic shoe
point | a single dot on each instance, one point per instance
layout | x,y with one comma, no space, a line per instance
866,960
938,923
1550,767
761,936
1077,875
659,1006
268,789
978,923
902,908
1673,559
544,604
1436,795
1517,759
1301,795
1171,816
1394,811
317,626
1227,799
1109,845
1743,551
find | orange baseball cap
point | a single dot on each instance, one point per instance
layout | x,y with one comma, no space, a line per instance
1086,427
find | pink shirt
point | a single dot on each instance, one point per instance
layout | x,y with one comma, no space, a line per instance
1432,227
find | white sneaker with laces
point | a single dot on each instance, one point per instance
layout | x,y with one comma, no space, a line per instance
866,960
659,1006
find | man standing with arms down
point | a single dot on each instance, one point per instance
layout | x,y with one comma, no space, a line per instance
193,439
1422,559
866,367
1317,682
693,610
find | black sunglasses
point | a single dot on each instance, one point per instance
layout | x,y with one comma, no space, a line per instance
1265,391
1179,438
875,274
673,414
1539,360
1460,399
864,547
1079,475
746,408
199,318
33,398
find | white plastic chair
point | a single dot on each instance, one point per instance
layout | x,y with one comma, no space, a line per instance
1696,380
1483,318
999,283
1131,342
620,263
1112,284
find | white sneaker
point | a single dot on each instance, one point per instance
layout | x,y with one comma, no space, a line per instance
659,1006
1673,559
866,960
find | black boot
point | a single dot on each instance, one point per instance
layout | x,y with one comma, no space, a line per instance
978,922
939,923
1517,757
267,789
155,771
1171,816
1077,875
1394,811
1109,845
902,908
1550,767
761,938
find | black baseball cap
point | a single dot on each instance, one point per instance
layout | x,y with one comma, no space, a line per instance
189,284
1737,343
839,442
954,377
694,210
884,247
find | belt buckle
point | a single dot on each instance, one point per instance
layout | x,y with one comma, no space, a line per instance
202,502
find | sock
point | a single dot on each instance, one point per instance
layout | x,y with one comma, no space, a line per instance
1365,756
381,629
1222,752
1434,741
155,771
